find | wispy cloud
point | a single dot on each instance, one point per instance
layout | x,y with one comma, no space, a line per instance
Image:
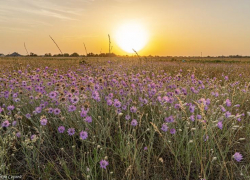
79,37
15,29
63,10
44,12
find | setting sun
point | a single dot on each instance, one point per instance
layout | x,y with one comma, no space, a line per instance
131,36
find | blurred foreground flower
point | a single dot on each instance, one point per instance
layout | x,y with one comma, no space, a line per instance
6,123
237,156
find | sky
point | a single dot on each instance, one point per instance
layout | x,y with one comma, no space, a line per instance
174,27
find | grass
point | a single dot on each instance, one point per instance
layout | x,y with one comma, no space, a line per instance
157,89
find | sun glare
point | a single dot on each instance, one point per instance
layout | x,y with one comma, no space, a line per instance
131,36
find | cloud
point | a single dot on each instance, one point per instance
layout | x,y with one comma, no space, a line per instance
15,29
44,12
63,10
79,37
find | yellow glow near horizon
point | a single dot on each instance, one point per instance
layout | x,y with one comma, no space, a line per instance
131,36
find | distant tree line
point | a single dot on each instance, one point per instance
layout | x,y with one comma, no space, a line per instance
115,55
77,55
234,56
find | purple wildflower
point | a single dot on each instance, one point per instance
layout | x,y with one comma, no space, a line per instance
28,116
75,99
159,98
222,108
164,128
199,116
117,104
227,114
124,107
14,123
109,102
61,129
192,108
17,100
71,131
177,106
43,121
38,110
83,135
134,122
57,111
208,101
192,118
177,91
6,123
220,125
111,95
169,119
95,95
50,110
52,95
11,108
133,109
88,119
237,156
18,134
172,131
83,113
228,103
127,117
104,164
32,136
71,108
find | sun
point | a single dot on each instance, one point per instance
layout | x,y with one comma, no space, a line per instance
131,36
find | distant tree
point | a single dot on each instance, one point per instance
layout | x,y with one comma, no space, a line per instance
111,55
90,54
235,56
47,55
101,55
74,55
66,54
58,55
33,54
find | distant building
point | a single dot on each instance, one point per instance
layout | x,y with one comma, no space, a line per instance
14,54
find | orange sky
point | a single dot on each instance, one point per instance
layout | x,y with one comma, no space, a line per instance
175,27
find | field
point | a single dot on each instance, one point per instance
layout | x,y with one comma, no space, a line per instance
125,118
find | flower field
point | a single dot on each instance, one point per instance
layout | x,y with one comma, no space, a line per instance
124,118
